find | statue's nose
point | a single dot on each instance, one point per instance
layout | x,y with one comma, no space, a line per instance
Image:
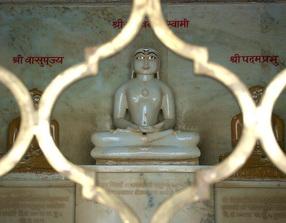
146,64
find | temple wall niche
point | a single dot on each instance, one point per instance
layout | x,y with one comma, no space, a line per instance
202,104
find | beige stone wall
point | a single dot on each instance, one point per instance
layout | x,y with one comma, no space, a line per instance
202,104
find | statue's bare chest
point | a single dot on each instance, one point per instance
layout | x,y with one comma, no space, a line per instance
147,93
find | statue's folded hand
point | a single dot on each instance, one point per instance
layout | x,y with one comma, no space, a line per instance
158,127
134,128
146,129
149,129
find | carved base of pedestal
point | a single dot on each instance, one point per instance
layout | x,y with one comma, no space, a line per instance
146,155
22,168
34,164
259,172
257,167
194,161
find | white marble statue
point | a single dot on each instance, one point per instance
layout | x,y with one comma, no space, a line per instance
144,115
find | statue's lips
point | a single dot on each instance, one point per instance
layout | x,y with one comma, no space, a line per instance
147,71
148,68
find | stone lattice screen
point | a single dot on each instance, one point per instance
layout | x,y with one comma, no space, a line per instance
257,119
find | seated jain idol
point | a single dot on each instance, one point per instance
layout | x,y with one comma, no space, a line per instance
144,117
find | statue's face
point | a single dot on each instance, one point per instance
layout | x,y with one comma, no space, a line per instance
257,93
146,62
36,96
36,99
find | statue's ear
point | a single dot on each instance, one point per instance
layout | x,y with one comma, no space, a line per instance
133,75
157,75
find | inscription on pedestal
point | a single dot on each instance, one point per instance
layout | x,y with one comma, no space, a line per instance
143,192
137,187
36,205
236,205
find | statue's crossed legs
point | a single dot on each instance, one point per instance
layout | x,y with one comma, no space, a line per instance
123,137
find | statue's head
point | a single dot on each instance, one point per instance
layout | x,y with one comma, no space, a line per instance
256,93
36,96
146,61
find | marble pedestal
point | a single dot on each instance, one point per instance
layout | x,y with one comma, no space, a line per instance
143,188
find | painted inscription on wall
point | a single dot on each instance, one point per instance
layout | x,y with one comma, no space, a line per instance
237,58
175,23
40,60
251,205
36,205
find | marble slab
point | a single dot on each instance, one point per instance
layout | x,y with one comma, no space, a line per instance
36,199
143,192
255,202
50,198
